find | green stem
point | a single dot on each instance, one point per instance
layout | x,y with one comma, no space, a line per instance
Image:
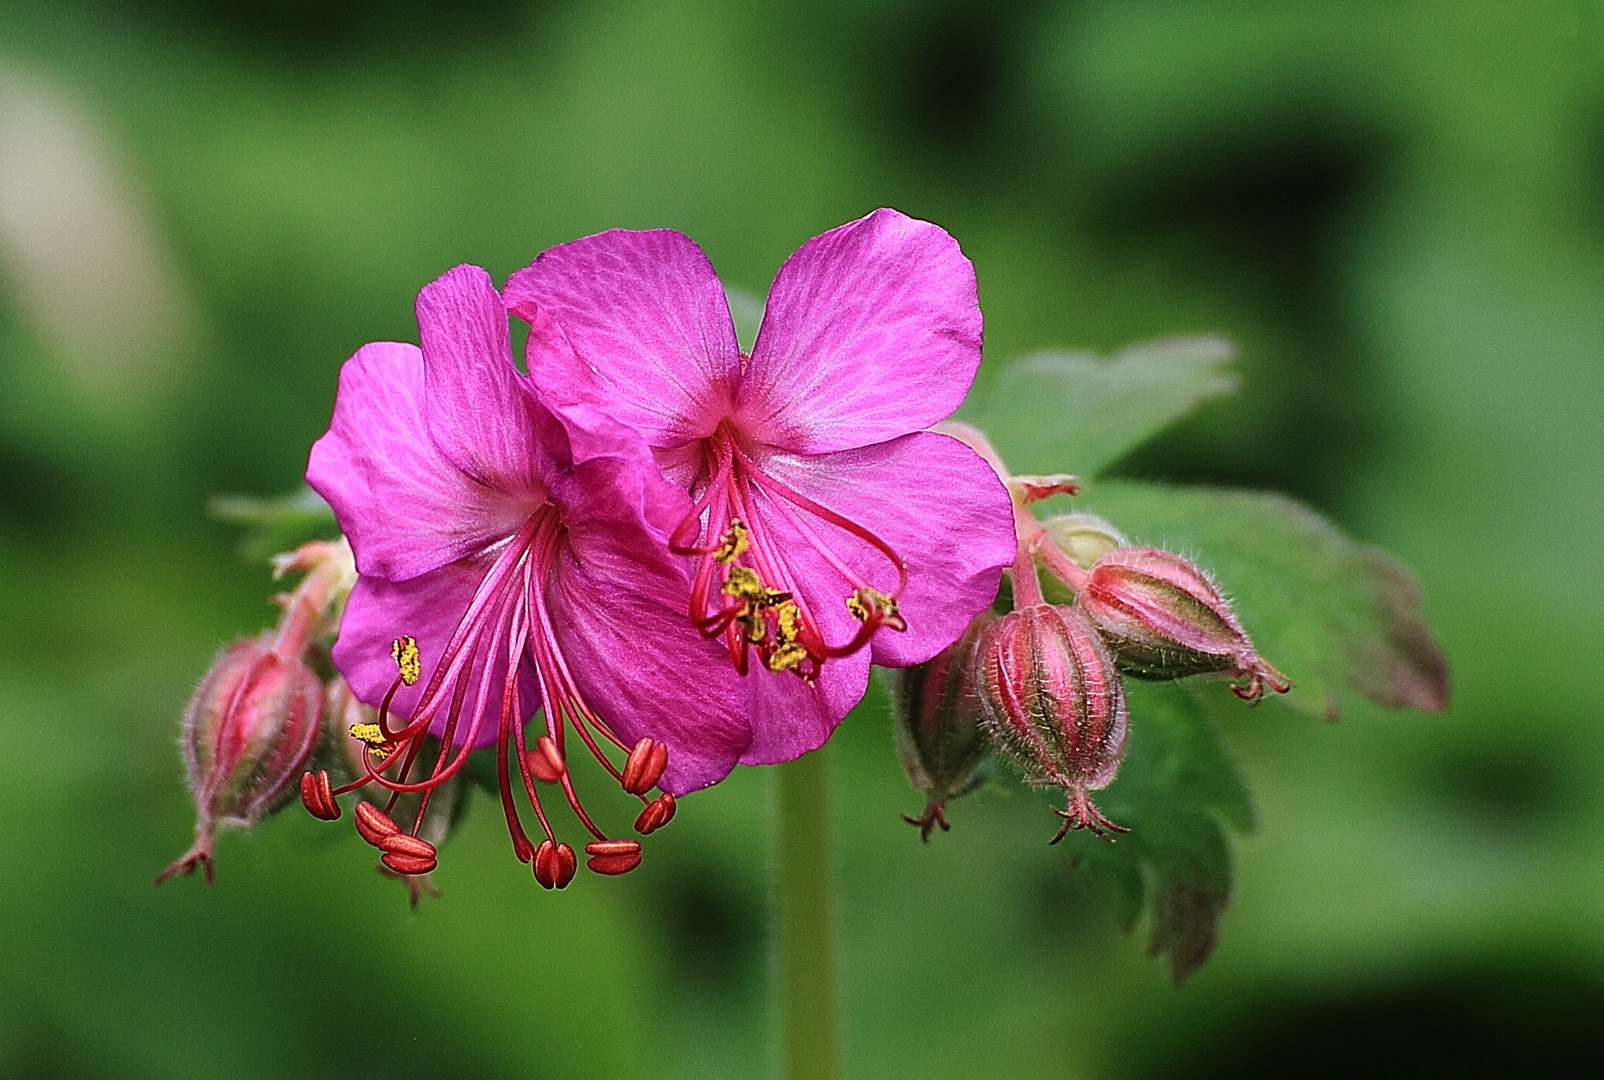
802,886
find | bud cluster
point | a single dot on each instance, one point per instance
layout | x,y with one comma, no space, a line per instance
1044,679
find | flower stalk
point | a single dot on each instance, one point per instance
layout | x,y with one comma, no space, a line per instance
803,908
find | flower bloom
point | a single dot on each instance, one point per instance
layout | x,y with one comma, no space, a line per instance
507,559
827,528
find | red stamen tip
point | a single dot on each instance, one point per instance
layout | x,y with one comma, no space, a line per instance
318,797
612,856
545,760
554,865
406,854
656,814
373,824
646,763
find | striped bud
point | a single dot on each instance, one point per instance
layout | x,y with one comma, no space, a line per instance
1052,701
247,733
937,714
1166,620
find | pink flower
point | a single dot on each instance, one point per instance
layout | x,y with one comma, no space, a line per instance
504,559
824,519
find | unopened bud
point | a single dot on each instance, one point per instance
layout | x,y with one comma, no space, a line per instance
1084,538
247,733
1052,701
937,713
1166,620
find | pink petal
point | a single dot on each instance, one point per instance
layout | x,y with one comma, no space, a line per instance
406,508
789,717
427,608
644,669
635,322
932,500
477,406
619,511
871,331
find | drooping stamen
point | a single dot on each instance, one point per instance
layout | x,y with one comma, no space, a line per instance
507,622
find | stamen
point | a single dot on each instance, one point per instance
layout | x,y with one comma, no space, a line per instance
655,814
646,762
404,651
318,797
734,544
612,856
406,854
546,761
554,864
373,824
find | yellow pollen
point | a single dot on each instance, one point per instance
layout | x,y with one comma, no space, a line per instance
734,544
404,651
867,601
379,747
788,622
786,657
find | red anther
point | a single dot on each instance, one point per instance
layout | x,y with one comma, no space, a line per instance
411,865
373,824
613,864
646,762
545,761
554,864
318,797
655,814
613,847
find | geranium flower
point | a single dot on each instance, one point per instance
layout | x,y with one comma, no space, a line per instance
824,518
507,558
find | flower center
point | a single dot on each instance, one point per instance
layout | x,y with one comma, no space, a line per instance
507,621
746,585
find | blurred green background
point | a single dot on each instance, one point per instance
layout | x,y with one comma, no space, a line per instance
1397,210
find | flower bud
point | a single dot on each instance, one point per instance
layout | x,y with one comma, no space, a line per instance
1052,701
937,714
1084,538
247,733
1165,620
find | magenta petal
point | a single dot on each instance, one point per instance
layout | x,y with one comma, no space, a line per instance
871,331
645,671
789,717
427,608
477,407
635,322
406,508
934,501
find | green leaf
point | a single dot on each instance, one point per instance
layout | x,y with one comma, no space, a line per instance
1077,412
1325,610
1177,790
276,523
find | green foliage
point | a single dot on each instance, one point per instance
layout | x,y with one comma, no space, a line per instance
275,523
1177,791
1053,411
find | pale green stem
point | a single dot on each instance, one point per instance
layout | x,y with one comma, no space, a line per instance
803,906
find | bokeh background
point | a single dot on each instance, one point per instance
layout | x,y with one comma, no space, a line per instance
1397,210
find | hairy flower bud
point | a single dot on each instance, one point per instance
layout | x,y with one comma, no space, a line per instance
937,713
247,733
1052,701
1165,620
1085,538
